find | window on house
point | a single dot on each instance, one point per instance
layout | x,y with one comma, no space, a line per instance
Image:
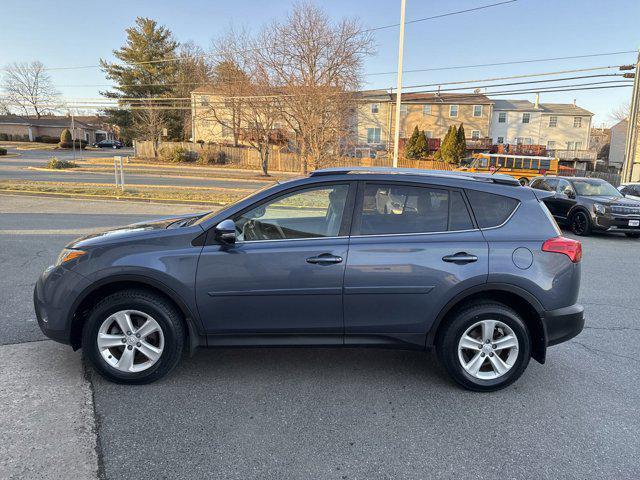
553,121
373,135
551,145
571,145
519,140
477,110
428,133
526,117
577,122
500,140
578,145
375,108
403,109
502,117
475,134
426,110
204,101
453,110
528,141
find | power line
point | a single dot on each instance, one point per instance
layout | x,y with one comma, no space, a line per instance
442,15
459,67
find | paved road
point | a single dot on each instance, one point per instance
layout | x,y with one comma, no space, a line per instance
355,414
17,168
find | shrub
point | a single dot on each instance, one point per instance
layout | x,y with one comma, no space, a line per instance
178,155
212,157
65,136
81,144
56,164
47,139
3,151
4,137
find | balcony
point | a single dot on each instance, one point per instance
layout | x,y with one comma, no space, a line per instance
581,155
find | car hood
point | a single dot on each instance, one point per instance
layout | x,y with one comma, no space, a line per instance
134,230
623,201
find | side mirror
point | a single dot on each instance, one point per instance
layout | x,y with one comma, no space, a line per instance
570,193
225,231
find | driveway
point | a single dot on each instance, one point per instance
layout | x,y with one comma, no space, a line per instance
351,413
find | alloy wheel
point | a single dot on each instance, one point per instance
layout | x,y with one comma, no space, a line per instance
580,223
488,349
130,341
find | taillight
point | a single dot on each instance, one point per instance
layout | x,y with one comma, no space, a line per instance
571,248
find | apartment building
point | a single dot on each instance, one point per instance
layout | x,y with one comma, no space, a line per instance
563,128
434,113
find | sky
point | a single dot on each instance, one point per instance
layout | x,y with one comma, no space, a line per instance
71,34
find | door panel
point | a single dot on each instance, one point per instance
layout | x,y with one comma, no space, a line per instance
269,287
396,284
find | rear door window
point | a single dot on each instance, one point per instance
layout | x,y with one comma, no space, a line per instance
389,209
491,210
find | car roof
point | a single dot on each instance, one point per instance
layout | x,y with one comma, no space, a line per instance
498,178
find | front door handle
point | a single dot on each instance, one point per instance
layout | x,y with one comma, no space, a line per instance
325,259
460,258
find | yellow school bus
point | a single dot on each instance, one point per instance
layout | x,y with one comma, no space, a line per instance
522,167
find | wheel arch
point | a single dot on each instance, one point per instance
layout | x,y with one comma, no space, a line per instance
527,305
106,286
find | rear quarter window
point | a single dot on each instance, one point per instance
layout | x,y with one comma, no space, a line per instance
490,209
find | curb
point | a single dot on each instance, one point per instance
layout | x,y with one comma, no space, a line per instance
86,196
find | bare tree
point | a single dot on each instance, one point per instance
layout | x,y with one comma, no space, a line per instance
150,122
29,87
318,65
621,112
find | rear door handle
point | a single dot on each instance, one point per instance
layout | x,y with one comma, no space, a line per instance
460,258
325,259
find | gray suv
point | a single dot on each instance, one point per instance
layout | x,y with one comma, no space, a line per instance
471,264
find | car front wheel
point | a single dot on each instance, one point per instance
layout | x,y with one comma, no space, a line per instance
580,223
485,347
133,336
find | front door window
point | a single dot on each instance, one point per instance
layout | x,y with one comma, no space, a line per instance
309,213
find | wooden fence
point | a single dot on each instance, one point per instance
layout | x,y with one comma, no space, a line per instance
279,161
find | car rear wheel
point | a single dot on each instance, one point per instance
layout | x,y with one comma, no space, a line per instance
524,181
485,347
133,336
580,223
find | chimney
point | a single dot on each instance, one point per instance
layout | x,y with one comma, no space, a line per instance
537,104
574,102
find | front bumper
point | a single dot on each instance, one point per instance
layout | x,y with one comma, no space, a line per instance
563,324
617,223
53,299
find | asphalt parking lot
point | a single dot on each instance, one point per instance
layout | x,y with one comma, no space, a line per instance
349,414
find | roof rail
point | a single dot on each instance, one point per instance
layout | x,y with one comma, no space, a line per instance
498,178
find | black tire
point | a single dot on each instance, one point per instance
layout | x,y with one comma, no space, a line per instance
163,312
524,181
459,322
580,223
632,235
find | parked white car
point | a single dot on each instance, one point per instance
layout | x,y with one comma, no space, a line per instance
630,190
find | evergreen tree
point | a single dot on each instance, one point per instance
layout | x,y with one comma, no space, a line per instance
421,146
66,137
461,145
448,145
141,73
410,148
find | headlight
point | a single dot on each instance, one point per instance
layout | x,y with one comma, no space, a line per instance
599,208
69,254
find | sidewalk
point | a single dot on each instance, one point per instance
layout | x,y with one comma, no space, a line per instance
47,429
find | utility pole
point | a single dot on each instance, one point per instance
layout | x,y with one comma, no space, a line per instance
632,129
396,134
73,136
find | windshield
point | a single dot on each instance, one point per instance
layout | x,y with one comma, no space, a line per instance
595,188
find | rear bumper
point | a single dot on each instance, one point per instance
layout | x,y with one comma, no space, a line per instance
563,324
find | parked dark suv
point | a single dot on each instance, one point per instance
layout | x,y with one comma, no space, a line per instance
471,264
108,144
590,204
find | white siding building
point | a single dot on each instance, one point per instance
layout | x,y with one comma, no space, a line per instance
563,128
618,144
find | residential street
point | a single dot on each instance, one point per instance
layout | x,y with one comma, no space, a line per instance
317,413
17,168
